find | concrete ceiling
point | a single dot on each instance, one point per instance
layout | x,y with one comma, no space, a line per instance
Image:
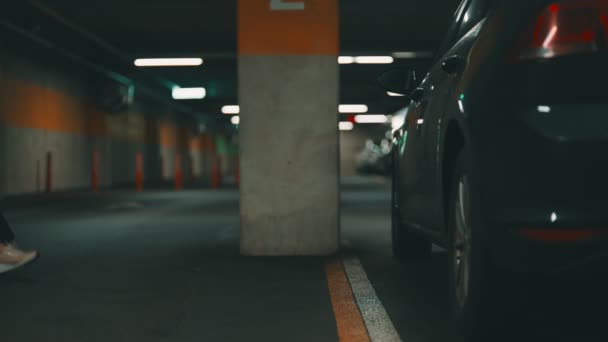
206,28
145,27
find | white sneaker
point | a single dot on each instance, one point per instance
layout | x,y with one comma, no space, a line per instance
12,258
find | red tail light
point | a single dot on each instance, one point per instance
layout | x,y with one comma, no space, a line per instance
566,28
560,235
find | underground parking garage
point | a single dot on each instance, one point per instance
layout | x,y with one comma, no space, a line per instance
314,170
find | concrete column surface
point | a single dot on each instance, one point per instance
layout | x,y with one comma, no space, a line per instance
289,141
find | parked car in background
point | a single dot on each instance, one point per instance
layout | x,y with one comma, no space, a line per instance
502,158
375,159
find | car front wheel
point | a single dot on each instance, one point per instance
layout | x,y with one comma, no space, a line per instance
476,286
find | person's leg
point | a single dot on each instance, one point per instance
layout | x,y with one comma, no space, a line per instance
7,236
11,257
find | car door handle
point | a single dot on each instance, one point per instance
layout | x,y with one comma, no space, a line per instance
453,64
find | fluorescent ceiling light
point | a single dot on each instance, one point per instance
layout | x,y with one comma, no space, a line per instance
365,119
354,109
159,62
235,120
393,94
189,93
544,109
346,60
231,110
412,54
346,126
374,60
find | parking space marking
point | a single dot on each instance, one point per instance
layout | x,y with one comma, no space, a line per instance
350,324
377,321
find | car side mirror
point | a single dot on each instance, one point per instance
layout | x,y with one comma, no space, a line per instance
398,81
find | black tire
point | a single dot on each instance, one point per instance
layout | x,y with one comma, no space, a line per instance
406,244
483,310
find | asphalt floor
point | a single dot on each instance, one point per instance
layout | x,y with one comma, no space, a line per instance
165,266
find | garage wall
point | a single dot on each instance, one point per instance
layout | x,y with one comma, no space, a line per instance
47,111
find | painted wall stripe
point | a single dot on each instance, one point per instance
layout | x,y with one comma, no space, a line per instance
377,321
350,324
30,105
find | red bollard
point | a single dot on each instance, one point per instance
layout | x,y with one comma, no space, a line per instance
49,172
139,172
178,172
95,172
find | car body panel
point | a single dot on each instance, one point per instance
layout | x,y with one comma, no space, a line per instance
529,164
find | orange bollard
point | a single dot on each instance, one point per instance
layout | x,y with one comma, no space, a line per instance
95,172
139,172
178,172
49,172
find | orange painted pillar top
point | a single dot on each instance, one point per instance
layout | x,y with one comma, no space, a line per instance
288,27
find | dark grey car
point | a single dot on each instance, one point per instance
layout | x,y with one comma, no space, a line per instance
506,160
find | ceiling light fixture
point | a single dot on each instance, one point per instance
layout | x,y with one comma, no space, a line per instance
189,93
365,60
544,109
346,60
353,108
163,62
346,126
371,119
235,120
412,54
374,60
230,110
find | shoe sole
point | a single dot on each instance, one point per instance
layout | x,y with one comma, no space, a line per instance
9,268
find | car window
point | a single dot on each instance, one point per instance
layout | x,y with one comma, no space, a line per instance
452,33
472,16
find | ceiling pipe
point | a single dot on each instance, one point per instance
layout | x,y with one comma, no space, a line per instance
98,68
122,57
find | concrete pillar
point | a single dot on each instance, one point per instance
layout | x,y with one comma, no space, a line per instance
288,93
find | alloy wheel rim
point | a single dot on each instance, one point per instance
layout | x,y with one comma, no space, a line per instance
462,239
